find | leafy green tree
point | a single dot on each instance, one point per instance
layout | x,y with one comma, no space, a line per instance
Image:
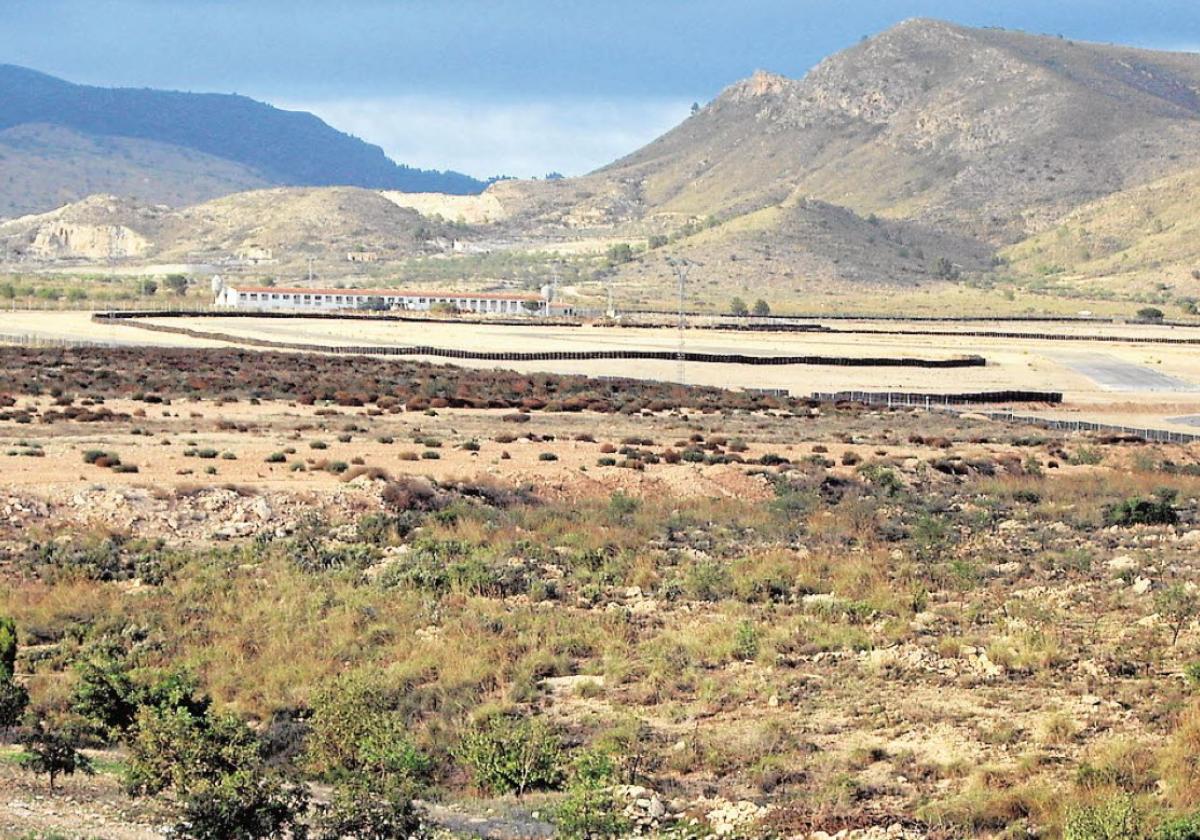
738,307
761,308
174,749
52,754
105,696
1150,313
507,754
1177,605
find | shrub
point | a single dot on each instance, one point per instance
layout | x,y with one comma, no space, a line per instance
14,699
547,456
431,455
1179,828
1139,511
506,754
276,458
360,809
356,730
318,444
207,454
242,805
8,647
1117,818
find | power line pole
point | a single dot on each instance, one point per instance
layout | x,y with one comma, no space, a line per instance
681,266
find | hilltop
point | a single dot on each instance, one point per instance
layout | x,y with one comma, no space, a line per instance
61,141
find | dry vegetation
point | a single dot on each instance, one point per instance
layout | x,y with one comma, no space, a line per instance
764,622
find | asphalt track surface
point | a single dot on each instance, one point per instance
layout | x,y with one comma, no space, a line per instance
1115,375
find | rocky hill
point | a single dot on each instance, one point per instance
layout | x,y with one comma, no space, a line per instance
990,133
280,225
61,141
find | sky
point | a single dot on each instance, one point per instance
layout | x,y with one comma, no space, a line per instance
513,87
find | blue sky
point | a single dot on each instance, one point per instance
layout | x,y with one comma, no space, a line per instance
518,87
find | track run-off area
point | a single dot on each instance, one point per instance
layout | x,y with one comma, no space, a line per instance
1134,374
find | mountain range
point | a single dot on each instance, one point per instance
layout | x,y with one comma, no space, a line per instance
61,141
928,152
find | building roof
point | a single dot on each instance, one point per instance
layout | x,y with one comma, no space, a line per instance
297,290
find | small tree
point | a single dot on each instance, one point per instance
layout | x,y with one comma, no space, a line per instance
761,308
1151,314
53,754
589,809
738,307
147,288
1177,605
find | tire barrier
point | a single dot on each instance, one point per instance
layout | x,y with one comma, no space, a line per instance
747,326
927,400
554,355
943,402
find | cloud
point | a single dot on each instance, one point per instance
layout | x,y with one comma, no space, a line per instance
525,139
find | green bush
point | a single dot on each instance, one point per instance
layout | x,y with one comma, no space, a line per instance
276,458
506,754
1179,828
1117,818
355,730
1139,511
242,805
358,809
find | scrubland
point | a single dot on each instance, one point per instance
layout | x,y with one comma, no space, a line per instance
432,601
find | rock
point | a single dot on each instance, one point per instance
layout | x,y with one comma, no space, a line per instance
1141,586
1123,563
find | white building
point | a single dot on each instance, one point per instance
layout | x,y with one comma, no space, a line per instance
308,299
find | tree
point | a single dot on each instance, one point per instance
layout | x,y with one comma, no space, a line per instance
738,307
1150,313
695,107
177,283
53,754
105,696
147,288
761,308
175,749
1177,605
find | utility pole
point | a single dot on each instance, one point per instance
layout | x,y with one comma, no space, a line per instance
681,266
